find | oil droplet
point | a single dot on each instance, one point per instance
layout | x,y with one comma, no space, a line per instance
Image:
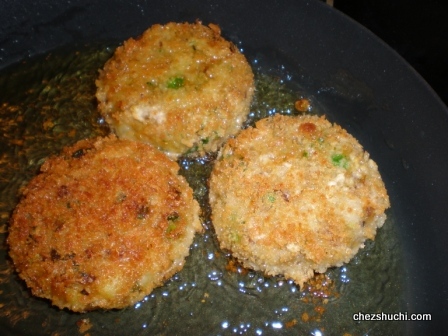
317,332
277,325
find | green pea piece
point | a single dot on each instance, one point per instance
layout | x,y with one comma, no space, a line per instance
339,160
172,219
175,83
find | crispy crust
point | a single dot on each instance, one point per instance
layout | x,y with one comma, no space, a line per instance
102,225
179,86
295,195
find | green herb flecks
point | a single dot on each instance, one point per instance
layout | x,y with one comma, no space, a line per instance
340,160
270,197
172,222
175,83
192,150
235,237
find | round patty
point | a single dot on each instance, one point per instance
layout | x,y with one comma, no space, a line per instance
294,196
102,225
179,86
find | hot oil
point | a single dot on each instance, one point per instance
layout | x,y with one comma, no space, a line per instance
48,103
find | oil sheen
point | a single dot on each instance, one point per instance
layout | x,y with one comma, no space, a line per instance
48,102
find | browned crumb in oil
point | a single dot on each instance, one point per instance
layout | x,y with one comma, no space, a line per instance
84,325
317,291
314,315
13,314
205,297
235,267
16,142
291,323
305,317
48,124
302,105
3,228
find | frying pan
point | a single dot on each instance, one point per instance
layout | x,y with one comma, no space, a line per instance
362,83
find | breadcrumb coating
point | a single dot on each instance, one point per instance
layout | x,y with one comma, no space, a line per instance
180,87
103,224
295,195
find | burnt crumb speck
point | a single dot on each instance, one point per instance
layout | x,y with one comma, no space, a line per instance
88,253
32,239
62,191
58,225
283,194
80,153
142,211
54,255
173,216
174,192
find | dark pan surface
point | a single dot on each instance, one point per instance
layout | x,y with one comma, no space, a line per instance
371,91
